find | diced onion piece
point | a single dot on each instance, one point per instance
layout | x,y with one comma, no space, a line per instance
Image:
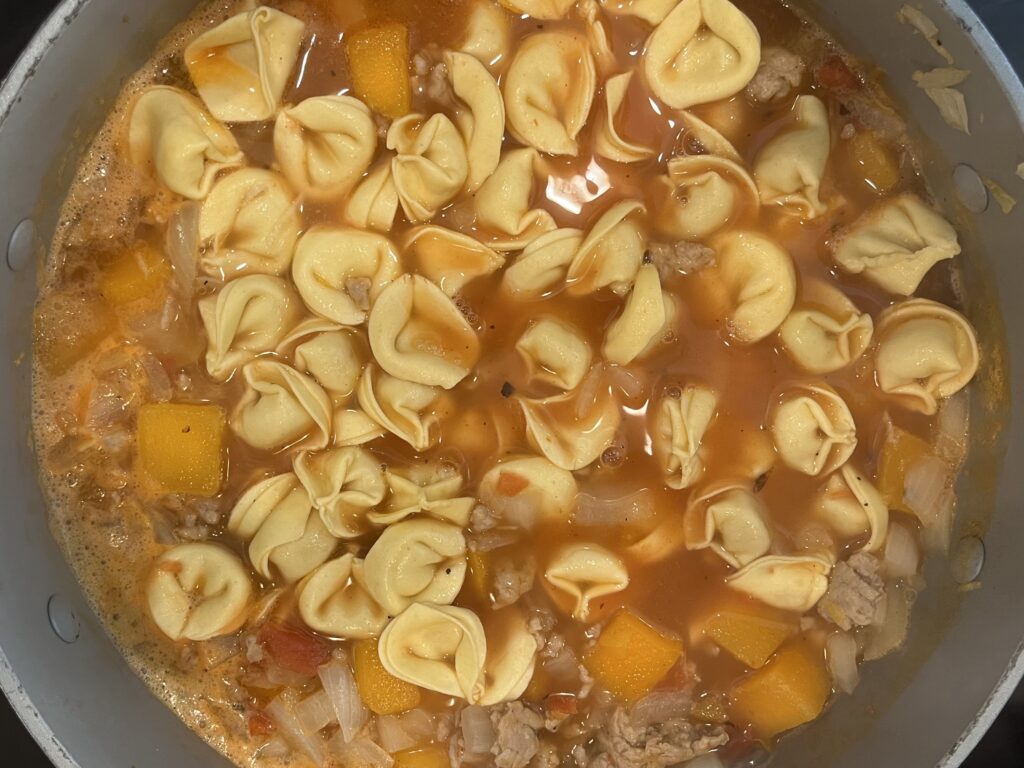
889,636
398,732
340,686
662,706
315,712
361,752
634,508
952,427
293,731
841,655
902,556
632,386
926,481
183,246
276,747
477,732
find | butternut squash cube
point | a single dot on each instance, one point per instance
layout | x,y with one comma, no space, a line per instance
631,657
381,692
901,451
750,638
788,691
68,326
428,757
378,58
138,273
181,447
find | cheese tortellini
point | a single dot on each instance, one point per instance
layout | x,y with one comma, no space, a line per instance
555,353
332,354
343,484
549,89
197,591
703,50
644,321
609,141
241,66
825,332
482,123
334,600
172,137
339,272
324,145
788,582
487,35
572,433
586,572
251,222
730,520
430,165
651,11
281,407
449,258
283,529
430,489
701,194
416,561
812,428
789,168
503,203
925,353
542,267
612,252
680,420
896,243
853,507
247,317
529,487
418,334
540,9
403,408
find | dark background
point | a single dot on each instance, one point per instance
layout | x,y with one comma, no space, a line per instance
1002,747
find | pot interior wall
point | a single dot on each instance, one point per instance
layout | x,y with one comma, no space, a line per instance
917,708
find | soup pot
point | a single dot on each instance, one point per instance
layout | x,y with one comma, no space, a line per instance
925,705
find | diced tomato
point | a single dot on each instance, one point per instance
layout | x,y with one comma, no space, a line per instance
835,75
293,649
561,704
511,484
259,723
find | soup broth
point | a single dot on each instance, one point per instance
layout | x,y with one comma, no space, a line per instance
528,400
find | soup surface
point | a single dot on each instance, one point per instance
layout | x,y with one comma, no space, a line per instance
440,382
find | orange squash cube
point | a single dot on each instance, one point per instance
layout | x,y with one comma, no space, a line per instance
901,451
181,447
138,273
381,692
378,58
788,691
68,326
750,638
428,757
631,657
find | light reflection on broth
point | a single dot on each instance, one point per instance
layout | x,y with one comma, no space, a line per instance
119,331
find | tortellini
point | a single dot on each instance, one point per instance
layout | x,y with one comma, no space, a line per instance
853,507
487,35
251,222
790,583
680,420
249,316
483,124
925,353
324,145
403,408
198,591
431,489
572,432
825,332
895,244
543,265
339,272
643,322
612,252
430,166
549,89
530,487
332,354
438,647
282,527
353,427
374,202
449,258
416,561
700,195
759,282
343,484
651,11
555,353
511,657
540,9
585,572
609,141
812,428
789,168
503,203
729,519
241,66
171,136
334,600
702,51
418,334
281,407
